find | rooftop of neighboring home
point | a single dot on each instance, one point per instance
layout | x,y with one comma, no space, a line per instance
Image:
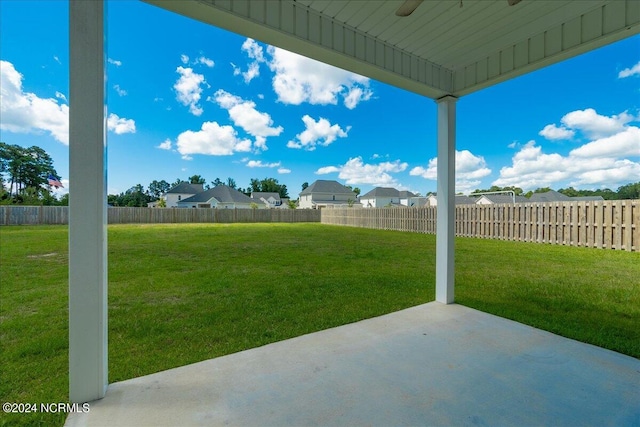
387,192
549,196
554,196
381,192
327,186
186,188
465,200
222,193
262,194
404,194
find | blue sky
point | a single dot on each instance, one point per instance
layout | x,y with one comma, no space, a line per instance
185,98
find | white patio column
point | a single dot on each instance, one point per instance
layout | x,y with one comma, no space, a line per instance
87,203
445,226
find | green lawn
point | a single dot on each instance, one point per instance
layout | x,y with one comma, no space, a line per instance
184,293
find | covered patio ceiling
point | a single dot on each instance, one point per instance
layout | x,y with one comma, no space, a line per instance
450,47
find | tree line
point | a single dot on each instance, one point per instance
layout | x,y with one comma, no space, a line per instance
139,196
24,174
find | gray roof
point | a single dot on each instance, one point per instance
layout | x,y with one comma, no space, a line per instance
387,192
222,193
186,188
326,186
406,194
465,200
549,196
258,194
381,192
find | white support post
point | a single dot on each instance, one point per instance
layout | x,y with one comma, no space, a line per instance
445,226
87,203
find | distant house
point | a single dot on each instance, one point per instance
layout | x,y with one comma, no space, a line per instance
285,203
325,193
417,202
549,196
432,200
554,196
182,191
270,200
381,197
219,197
406,197
494,199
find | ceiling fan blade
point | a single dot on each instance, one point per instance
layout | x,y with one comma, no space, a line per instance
408,7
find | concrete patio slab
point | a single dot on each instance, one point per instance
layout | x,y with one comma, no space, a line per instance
434,365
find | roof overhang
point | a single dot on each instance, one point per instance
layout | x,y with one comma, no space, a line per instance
443,48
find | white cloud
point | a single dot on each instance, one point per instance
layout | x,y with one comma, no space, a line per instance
316,133
594,125
114,62
299,79
184,58
624,143
57,59
628,72
592,164
188,89
284,171
119,90
252,72
554,132
612,173
212,139
259,164
327,169
205,61
120,125
256,53
253,50
244,114
60,95
354,96
470,169
354,171
25,112
166,145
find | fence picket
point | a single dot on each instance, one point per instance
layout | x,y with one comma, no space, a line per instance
584,224
608,224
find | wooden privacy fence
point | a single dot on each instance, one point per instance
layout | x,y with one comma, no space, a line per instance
33,215
608,225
